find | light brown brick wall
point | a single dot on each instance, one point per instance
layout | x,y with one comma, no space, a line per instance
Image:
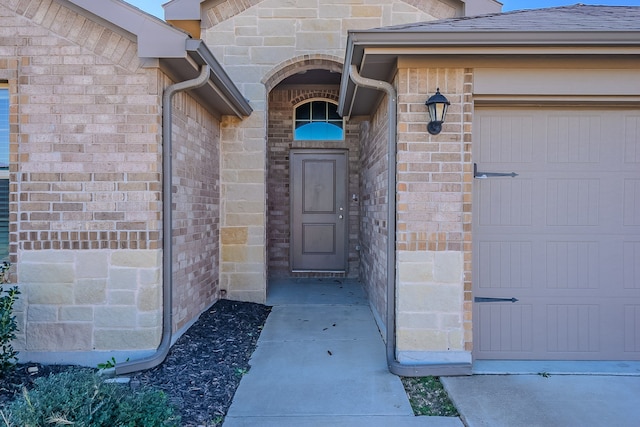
282,103
86,208
434,213
373,208
85,170
196,218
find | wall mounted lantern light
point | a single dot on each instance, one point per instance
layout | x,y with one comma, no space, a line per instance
437,105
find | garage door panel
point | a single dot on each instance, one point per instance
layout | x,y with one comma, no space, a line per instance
563,237
572,202
505,264
572,265
631,139
516,205
631,203
632,328
573,328
631,265
573,138
510,141
506,328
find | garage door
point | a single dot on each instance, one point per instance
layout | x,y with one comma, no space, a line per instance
556,249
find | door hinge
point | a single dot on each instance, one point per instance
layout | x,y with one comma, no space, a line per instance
483,299
484,175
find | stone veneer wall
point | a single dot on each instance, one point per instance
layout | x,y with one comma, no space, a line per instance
253,41
282,103
85,183
434,218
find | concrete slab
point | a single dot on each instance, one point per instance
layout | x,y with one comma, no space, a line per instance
317,323
535,400
320,361
316,291
345,421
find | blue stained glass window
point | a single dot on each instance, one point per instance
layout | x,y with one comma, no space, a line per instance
318,120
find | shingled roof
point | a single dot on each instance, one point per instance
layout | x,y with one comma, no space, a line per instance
578,17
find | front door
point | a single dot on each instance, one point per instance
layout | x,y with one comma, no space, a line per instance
319,208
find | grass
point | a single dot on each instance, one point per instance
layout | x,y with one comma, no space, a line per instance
428,397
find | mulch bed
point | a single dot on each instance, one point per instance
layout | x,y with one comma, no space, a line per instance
201,372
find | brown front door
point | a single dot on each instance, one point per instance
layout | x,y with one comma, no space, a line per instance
319,210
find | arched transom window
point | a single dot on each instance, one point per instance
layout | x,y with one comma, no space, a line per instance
318,120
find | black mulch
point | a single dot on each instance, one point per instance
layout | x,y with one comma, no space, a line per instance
203,368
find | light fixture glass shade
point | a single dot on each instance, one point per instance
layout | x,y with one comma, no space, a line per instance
437,105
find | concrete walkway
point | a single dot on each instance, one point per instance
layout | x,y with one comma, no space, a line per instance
546,401
320,361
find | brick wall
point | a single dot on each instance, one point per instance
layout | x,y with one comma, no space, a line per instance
196,217
434,214
86,188
282,103
373,209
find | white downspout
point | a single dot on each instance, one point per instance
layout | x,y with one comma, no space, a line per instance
167,233
396,367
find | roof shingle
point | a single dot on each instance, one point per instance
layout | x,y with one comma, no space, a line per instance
578,17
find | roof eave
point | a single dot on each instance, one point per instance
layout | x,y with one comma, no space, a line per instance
361,44
221,83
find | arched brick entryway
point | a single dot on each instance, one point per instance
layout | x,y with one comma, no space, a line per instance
287,87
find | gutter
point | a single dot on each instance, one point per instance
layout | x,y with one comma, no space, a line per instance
396,367
167,233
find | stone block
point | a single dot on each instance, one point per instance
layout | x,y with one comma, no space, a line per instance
46,273
58,336
439,298
92,264
127,339
121,297
415,272
115,317
233,235
42,313
123,278
448,267
137,258
149,298
90,291
45,257
151,276
422,340
76,314
150,319
51,293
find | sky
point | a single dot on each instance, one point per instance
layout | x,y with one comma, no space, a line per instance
154,7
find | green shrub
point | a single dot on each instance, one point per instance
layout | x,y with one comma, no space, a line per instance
8,324
81,398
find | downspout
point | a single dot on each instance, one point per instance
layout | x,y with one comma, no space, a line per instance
167,233
396,367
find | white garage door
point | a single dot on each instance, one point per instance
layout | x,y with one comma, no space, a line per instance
562,238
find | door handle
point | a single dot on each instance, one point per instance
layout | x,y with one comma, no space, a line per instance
340,216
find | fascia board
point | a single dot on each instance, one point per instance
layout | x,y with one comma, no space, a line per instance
219,77
481,7
156,39
475,42
186,10
494,38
